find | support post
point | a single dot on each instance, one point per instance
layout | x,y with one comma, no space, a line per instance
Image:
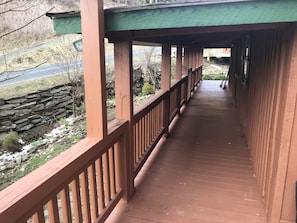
124,106
165,83
92,19
178,70
178,76
186,62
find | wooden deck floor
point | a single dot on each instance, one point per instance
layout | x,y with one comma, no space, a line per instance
201,173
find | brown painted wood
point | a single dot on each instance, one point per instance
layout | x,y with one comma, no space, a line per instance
92,18
289,206
194,176
178,70
124,102
165,83
66,208
166,68
286,127
186,64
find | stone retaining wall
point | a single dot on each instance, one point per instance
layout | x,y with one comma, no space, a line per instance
23,113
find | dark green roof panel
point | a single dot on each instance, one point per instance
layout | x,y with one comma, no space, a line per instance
201,14
67,25
236,13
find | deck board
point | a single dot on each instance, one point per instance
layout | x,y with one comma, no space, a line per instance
201,173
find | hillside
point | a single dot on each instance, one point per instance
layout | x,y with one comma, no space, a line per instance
18,13
27,38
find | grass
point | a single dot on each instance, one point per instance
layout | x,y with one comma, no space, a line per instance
37,161
26,87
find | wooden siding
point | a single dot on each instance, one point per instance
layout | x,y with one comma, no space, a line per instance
266,111
289,202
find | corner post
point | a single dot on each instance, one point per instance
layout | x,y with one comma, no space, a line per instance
92,18
124,106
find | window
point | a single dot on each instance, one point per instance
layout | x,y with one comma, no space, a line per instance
245,59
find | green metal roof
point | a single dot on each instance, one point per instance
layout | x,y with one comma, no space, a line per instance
66,22
200,14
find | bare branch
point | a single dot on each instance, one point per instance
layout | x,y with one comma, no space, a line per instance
18,10
3,3
33,20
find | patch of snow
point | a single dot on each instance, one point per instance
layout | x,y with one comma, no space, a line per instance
8,159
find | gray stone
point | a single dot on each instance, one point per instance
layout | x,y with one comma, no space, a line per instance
2,136
63,104
2,101
51,104
18,160
4,129
23,112
26,127
33,95
35,121
45,94
32,149
25,157
38,107
7,113
8,106
15,100
62,115
46,99
11,165
27,105
34,117
3,168
6,123
55,91
20,121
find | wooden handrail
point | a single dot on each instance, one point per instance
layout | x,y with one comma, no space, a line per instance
30,194
148,105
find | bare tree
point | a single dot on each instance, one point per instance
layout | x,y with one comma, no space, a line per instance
72,71
11,30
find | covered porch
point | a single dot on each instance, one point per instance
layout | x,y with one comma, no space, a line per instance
201,173
215,157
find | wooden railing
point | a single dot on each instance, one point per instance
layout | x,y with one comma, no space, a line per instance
196,76
178,97
151,120
148,128
83,184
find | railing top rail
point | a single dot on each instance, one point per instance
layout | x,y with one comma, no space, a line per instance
175,84
40,185
140,111
148,105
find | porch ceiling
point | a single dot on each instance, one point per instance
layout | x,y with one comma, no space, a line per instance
207,24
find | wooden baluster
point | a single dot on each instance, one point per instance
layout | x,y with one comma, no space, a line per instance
112,171
66,208
38,217
137,142
76,201
106,177
93,192
100,189
85,196
53,210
